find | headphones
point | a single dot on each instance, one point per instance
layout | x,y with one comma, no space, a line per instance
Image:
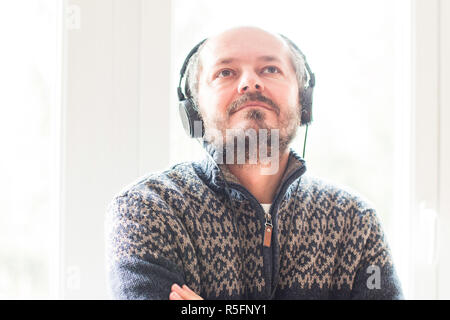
190,116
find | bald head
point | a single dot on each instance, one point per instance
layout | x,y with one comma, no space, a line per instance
242,38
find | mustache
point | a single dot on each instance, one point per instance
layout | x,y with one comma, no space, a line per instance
252,96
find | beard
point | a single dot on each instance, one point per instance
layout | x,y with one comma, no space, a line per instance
240,145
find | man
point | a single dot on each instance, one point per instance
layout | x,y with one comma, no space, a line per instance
224,229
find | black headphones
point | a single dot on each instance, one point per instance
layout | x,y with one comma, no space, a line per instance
189,112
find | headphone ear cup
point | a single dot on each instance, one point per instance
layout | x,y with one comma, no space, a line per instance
192,122
306,103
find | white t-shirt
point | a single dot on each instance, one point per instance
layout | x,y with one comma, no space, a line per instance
266,207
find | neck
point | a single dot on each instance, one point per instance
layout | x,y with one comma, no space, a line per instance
262,180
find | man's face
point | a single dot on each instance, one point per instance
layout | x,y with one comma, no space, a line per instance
247,80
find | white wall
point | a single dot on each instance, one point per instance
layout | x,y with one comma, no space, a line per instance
443,224
425,148
116,106
430,176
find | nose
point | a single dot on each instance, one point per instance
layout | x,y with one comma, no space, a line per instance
250,82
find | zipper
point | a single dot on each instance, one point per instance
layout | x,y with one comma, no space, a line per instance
268,224
268,230
295,175
267,216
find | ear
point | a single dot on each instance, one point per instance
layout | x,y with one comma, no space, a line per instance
191,119
306,105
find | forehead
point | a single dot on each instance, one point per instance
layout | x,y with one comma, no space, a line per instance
244,46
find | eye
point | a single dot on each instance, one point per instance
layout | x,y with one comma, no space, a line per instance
271,69
224,73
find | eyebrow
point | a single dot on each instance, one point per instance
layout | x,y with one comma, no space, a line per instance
269,58
263,58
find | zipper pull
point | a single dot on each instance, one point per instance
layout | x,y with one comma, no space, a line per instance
268,231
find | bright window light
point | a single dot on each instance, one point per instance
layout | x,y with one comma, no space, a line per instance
29,81
359,52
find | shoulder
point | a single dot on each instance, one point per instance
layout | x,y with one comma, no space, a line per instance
157,183
339,194
336,200
143,219
156,191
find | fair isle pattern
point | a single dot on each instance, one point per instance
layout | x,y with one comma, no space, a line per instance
177,220
325,243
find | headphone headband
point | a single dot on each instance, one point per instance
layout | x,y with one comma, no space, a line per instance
311,76
194,50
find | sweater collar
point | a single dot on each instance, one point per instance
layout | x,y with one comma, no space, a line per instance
208,170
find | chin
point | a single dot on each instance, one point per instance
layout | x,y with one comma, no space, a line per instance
258,123
245,125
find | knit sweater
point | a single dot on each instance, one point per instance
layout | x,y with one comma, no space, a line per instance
178,226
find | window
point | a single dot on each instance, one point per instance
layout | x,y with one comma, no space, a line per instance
359,52
82,114
28,123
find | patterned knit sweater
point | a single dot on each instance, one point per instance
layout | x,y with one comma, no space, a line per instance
178,226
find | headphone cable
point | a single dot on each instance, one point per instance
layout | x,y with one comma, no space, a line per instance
304,142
